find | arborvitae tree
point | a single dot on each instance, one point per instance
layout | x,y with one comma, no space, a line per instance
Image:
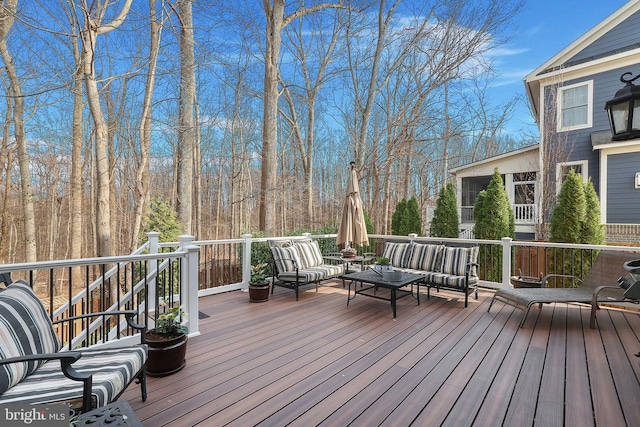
492,212
592,229
494,220
161,217
445,222
406,218
569,214
397,217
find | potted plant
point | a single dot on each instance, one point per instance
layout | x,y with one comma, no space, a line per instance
167,344
349,252
258,283
383,264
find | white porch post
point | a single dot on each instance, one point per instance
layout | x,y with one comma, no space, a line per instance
506,262
189,282
246,261
154,246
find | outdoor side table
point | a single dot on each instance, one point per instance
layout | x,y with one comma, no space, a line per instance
118,413
360,259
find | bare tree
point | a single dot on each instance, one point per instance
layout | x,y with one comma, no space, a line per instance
276,22
94,26
311,59
143,181
186,125
7,17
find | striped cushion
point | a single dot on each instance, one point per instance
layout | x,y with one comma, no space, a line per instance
451,281
315,274
287,258
25,329
397,253
310,255
423,257
112,369
455,260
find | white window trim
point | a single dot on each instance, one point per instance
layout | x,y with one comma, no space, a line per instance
559,166
561,90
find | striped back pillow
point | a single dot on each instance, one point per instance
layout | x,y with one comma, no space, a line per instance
397,253
284,256
310,254
425,257
25,329
455,260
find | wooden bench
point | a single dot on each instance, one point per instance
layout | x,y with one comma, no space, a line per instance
33,370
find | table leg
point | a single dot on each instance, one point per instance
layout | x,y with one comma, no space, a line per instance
393,302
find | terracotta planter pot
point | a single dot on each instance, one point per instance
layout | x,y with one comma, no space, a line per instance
166,354
259,292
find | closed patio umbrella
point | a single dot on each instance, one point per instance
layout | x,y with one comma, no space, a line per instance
352,229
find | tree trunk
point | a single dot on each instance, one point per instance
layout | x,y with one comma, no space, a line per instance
275,16
186,129
143,182
92,28
6,22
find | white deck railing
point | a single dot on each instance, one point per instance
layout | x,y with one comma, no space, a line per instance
156,270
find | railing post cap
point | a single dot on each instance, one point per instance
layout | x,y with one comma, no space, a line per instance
246,236
507,239
153,234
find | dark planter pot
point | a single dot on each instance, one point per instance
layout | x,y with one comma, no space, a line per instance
166,356
259,292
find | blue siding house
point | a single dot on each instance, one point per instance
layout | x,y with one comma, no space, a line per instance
568,95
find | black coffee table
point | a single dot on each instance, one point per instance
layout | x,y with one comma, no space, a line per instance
374,280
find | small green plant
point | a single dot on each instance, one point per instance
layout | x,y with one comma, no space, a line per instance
258,273
168,323
383,260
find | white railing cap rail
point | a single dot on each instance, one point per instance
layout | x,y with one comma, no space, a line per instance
43,265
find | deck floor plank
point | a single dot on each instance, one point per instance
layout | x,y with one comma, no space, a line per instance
317,361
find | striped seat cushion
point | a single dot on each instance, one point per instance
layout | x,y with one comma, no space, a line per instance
310,255
317,273
112,369
455,260
25,329
287,258
424,257
398,253
451,281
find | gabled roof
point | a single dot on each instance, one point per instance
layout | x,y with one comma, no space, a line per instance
560,63
502,156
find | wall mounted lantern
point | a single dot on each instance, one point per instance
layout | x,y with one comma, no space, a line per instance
624,110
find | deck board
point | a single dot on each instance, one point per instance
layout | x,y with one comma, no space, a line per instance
318,362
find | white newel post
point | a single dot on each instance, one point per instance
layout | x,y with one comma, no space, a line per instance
246,261
154,246
506,262
189,279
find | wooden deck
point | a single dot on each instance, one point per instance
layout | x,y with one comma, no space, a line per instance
319,362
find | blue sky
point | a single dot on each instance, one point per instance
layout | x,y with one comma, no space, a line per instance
544,28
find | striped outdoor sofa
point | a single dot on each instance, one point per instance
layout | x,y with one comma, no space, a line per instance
299,262
444,266
33,370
